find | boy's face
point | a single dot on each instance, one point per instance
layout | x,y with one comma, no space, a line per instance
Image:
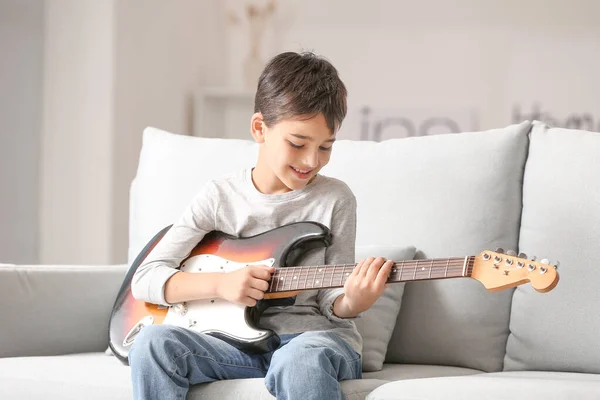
292,152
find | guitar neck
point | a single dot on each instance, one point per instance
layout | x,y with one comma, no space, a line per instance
333,276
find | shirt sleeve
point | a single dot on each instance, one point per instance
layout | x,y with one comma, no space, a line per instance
341,251
148,283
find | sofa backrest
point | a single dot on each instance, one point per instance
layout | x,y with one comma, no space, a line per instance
561,221
56,309
450,196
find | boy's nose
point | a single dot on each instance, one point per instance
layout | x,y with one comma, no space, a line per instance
311,160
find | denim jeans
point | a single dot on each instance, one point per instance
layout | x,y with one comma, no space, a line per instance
166,360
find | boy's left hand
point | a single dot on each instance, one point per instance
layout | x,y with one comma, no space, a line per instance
363,287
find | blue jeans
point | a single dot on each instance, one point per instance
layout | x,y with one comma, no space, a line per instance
166,360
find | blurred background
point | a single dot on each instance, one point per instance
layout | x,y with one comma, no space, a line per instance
81,79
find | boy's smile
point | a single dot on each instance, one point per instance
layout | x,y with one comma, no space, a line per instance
292,152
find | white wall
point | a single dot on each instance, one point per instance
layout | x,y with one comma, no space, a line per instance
411,58
21,54
113,68
77,132
164,51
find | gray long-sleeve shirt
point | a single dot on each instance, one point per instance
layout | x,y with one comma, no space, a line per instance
234,206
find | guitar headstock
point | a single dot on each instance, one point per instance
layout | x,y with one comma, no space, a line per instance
498,271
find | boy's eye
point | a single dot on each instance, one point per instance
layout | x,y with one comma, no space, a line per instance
296,146
325,148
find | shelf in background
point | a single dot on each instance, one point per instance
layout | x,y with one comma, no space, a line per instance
223,112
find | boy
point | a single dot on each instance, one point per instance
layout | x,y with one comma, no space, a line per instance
299,106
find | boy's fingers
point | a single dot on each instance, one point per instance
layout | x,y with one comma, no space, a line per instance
263,273
375,268
260,284
365,266
256,294
384,272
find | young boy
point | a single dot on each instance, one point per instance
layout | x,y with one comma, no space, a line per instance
299,106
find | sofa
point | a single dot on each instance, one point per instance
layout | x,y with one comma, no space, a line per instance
526,187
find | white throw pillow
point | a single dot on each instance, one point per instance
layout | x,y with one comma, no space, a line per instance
377,323
171,171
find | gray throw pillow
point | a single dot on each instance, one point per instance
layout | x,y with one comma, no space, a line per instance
377,323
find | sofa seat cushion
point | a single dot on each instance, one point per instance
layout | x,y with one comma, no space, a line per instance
394,372
236,389
74,376
98,376
522,385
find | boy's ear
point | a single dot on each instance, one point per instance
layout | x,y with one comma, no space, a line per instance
257,127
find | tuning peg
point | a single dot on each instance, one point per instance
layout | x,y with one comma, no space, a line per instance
545,261
522,255
533,258
511,253
500,250
556,265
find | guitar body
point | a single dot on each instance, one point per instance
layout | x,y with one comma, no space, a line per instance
217,252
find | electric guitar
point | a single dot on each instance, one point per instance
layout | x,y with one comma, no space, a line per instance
280,248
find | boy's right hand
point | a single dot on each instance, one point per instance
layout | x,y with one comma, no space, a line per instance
246,285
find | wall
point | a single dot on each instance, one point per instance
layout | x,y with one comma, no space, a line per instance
21,52
113,68
77,125
164,51
488,64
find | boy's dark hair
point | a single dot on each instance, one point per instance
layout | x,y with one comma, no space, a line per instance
293,85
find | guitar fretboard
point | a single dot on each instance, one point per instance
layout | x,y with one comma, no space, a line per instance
332,276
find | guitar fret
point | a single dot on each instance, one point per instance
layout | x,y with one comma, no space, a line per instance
272,280
401,270
293,277
306,277
415,270
298,279
332,274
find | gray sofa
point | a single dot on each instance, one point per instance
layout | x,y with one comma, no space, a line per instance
526,187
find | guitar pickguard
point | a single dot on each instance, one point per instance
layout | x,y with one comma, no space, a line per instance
214,315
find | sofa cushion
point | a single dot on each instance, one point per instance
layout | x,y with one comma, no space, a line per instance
255,389
494,386
97,376
56,309
75,376
171,171
558,331
450,196
377,323
394,372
